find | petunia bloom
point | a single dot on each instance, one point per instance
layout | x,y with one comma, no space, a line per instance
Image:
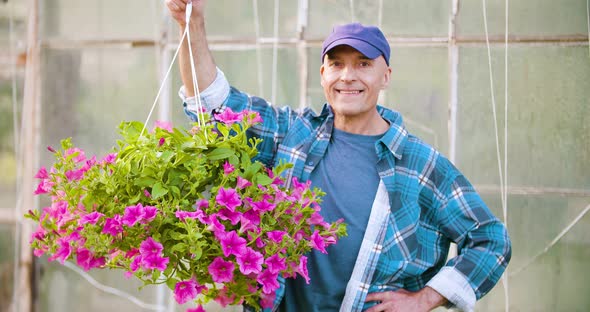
185,291
228,198
42,174
242,183
164,125
91,218
275,263
276,236
113,225
132,215
250,261
150,247
228,168
269,281
232,244
317,242
228,116
221,271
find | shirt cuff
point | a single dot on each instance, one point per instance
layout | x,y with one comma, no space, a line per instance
452,284
211,98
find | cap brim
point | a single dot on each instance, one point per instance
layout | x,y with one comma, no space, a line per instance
364,47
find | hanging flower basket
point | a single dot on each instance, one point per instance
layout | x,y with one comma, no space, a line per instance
188,209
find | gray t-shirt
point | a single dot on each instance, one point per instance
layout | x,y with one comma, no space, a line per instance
349,176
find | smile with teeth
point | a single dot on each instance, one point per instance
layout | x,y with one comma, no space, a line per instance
349,91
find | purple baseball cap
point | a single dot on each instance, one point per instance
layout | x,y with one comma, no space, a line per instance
369,40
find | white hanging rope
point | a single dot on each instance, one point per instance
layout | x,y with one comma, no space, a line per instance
112,290
163,82
505,200
275,53
200,116
352,15
186,34
502,189
553,242
258,47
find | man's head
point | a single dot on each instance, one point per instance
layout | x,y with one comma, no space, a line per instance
355,68
369,40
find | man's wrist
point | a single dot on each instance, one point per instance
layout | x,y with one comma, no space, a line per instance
431,299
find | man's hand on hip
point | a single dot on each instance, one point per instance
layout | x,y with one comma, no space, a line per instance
402,300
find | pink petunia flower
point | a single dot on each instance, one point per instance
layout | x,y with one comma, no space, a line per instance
149,214
113,225
268,300
221,271
223,298
228,198
232,216
110,158
185,291
228,116
86,259
42,174
155,262
74,175
263,205
252,117
275,263
242,183
77,153
63,252
232,244
269,281
250,261
317,242
228,168
302,269
199,308
44,187
150,247
165,125
132,215
276,236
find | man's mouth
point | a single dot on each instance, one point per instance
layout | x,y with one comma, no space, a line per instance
349,91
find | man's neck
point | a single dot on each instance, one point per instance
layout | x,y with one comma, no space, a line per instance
373,124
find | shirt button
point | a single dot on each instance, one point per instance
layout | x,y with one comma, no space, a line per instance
310,163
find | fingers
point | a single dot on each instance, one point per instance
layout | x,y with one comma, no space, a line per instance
176,5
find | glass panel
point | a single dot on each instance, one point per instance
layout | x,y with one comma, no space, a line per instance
105,19
548,117
398,17
533,18
87,93
559,274
62,289
8,161
418,89
239,22
6,265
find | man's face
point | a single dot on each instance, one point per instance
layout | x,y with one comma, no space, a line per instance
352,82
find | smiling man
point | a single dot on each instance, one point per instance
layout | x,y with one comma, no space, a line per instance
403,202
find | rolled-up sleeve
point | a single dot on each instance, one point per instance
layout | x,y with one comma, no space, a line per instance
211,98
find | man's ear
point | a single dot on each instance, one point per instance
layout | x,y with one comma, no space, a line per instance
386,78
322,75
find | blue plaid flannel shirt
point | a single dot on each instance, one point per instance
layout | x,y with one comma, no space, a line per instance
430,204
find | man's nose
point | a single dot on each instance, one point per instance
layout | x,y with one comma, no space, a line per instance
348,74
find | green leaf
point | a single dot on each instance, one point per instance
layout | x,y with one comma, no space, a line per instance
171,283
197,251
220,153
167,155
263,179
158,191
180,247
144,181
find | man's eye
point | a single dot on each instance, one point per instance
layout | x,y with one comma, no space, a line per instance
365,64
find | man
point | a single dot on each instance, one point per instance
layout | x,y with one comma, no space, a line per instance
403,202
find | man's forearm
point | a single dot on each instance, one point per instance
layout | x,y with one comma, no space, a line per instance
204,63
